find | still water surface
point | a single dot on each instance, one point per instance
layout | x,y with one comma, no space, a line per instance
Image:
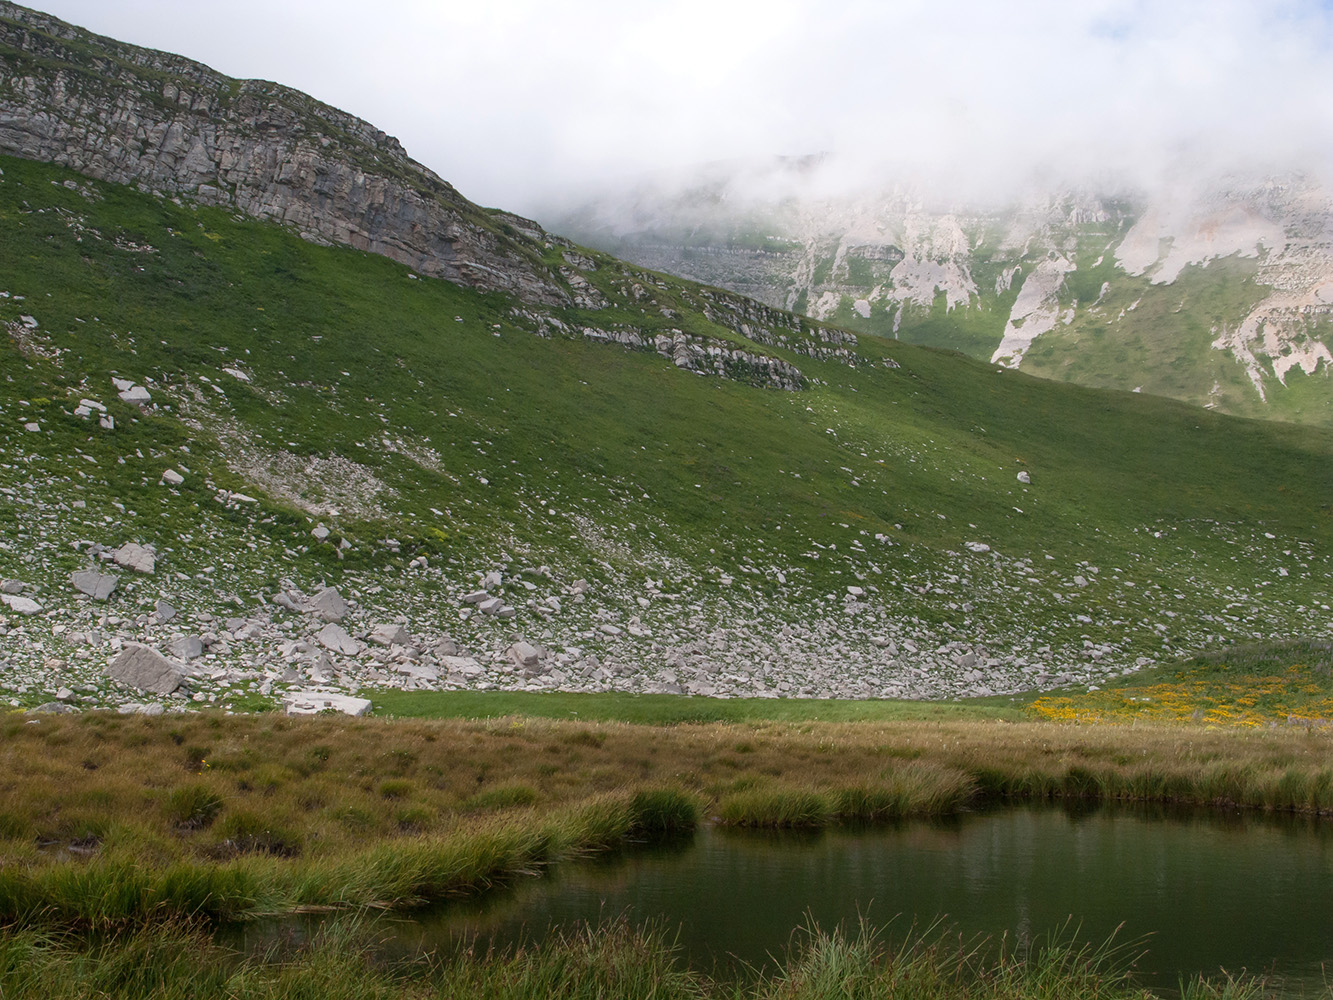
1212,891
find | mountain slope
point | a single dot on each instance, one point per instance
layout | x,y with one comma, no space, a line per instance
164,123
656,486
1219,294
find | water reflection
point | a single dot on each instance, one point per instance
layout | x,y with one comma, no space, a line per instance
1210,890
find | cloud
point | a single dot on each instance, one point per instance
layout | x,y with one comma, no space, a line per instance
516,101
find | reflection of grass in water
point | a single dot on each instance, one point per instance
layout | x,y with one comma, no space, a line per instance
908,789
342,962
1246,686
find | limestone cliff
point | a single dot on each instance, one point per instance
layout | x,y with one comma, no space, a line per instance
167,124
1214,290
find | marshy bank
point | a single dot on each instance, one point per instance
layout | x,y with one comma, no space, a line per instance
110,821
147,833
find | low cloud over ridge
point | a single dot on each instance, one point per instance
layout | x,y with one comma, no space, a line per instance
518,102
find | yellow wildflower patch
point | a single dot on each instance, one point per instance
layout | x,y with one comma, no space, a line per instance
1205,695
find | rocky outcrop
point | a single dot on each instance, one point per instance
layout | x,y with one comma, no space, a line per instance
706,356
166,124
1109,286
701,355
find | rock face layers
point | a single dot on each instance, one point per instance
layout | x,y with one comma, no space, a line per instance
1110,286
174,128
167,124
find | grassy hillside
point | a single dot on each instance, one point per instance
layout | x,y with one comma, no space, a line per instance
718,525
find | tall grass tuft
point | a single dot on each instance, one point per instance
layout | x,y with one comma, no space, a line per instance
776,807
345,959
913,788
663,812
1228,987
192,807
936,965
586,963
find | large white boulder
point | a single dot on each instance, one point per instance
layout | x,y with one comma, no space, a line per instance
314,702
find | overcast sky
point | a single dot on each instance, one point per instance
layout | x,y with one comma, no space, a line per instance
515,101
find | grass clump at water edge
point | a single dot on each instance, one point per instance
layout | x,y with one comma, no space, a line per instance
345,960
118,889
917,789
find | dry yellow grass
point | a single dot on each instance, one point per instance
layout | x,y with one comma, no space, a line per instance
210,786
108,820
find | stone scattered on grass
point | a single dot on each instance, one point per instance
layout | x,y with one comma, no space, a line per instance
98,586
146,669
335,639
390,635
134,556
329,605
21,605
314,702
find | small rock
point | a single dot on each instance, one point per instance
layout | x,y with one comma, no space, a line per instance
164,611
172,477
1024,478
390,635
335,638
329,605
134,556
21,605
98,586
146,669
186,647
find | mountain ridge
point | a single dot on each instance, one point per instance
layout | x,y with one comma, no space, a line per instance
177,126
1118,289
351,476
